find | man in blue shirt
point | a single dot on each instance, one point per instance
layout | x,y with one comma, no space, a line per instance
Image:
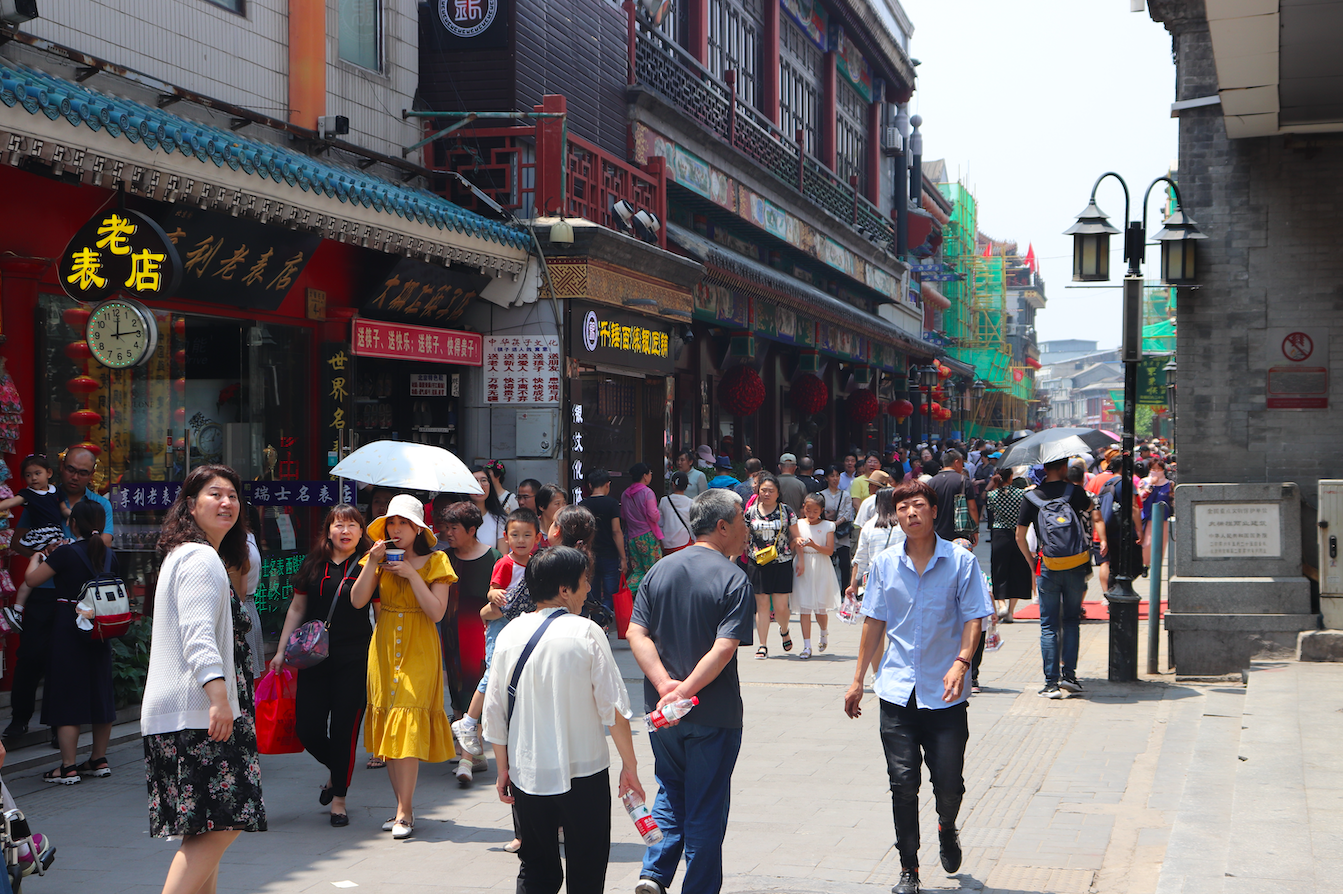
77,467
927,598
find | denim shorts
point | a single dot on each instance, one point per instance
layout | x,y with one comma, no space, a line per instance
492,629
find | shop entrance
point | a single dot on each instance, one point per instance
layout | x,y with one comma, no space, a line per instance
403,400
624,422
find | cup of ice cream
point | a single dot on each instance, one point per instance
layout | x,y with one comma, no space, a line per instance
396,554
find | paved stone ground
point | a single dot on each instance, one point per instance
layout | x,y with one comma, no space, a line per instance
1064,797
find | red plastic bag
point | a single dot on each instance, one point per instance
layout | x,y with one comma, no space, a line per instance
275,719
624,604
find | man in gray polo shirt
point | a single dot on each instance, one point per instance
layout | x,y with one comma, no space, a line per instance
693,611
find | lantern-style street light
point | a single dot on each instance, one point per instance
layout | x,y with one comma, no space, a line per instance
1091,245
1169,370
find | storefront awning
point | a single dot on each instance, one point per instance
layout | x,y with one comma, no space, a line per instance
811,299
57,126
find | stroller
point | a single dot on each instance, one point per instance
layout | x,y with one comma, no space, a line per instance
25,852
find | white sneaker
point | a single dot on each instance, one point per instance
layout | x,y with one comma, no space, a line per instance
480,764
463,773
469,739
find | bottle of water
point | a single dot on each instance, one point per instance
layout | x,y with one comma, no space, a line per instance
670,713
642,816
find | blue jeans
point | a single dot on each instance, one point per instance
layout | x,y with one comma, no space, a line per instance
693,765
606,580
1061,595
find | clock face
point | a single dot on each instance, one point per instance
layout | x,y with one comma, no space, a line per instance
210,441
120,333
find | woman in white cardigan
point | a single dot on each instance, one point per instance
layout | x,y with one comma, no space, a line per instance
200,742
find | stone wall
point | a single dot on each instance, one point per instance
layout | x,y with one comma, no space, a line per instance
1271,208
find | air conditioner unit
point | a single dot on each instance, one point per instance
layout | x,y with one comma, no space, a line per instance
891,141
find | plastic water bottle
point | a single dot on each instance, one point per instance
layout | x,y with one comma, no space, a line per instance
670,713
642,816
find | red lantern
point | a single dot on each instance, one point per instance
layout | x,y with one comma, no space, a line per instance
943,372
925,409
809,394
180,385
180,415
84,418
78,351
180,358
741,392
82,385
76,318
863,406
180,327
92,448
901,409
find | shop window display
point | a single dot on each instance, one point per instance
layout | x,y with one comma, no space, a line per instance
214,390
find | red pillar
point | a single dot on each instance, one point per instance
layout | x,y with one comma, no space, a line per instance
769,63
874,145
697,29
550,157
828,85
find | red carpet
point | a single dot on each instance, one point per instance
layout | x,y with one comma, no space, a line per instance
1095,611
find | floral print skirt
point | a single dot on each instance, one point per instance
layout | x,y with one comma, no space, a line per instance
197,785
643,551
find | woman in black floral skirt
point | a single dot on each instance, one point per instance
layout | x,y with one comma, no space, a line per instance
200,742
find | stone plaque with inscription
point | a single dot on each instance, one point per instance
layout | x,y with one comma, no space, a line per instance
1237,530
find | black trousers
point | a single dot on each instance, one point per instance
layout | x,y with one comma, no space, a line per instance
328,710
585,813
940,735
844,561
30,666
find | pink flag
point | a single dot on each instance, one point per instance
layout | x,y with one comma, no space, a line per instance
988,249
1031,263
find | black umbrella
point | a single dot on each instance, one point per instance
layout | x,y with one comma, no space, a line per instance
1054,444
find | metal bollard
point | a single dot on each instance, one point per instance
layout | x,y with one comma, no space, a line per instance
1154,588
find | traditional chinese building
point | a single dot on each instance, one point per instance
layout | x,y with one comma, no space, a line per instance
300,293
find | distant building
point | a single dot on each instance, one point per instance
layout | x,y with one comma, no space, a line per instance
1064,349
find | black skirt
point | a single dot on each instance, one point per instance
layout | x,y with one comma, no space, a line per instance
79,675
776,577
1011,573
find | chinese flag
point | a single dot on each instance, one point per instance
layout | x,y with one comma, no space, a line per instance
1031,263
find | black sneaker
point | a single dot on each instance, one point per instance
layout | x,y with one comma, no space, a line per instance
951,847
909,882
1051,690
1069,682
15,730
14,617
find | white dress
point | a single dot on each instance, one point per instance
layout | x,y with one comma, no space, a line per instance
816,590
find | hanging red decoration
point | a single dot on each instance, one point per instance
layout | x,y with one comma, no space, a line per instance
82,385
943,372
901,409
85,418
78,351
180,357
863,406
92,448
809,394
180,385
180,415
76,318
180,327
741,392
925,409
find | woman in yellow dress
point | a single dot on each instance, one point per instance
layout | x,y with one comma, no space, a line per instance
405,722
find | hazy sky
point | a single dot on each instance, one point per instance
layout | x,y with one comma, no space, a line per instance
1029,101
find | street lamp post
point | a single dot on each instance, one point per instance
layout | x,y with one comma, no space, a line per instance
929,378
914,399
1091,263
1169,369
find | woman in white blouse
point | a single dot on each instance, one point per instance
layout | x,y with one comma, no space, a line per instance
550,746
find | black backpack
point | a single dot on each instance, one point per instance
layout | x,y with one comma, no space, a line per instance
1064,541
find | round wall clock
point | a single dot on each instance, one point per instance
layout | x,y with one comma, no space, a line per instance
121,333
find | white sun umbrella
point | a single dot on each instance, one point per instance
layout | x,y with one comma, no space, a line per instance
409,465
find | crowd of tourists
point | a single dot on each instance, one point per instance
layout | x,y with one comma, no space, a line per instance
717,560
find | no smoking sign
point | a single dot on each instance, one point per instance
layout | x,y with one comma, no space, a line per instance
1298,369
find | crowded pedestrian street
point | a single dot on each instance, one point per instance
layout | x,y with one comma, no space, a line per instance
1133,789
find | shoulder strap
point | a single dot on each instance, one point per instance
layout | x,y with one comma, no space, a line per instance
331,612
522,661
84,557
679,517
1033,496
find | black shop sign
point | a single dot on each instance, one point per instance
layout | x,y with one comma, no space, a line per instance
120,251
598,334
426,294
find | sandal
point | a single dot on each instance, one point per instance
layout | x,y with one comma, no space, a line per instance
787,641
805,653
825,640
762,652
95,767
375,763
66,775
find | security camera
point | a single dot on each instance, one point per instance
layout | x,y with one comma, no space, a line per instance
329,126
16,12
687,335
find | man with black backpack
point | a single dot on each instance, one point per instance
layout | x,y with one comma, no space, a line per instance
1057,509
1107,501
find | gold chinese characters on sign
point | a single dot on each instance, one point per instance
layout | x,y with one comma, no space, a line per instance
120,251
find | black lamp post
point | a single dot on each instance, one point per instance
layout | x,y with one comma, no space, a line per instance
1169,369
1091,245
928,378
914,399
